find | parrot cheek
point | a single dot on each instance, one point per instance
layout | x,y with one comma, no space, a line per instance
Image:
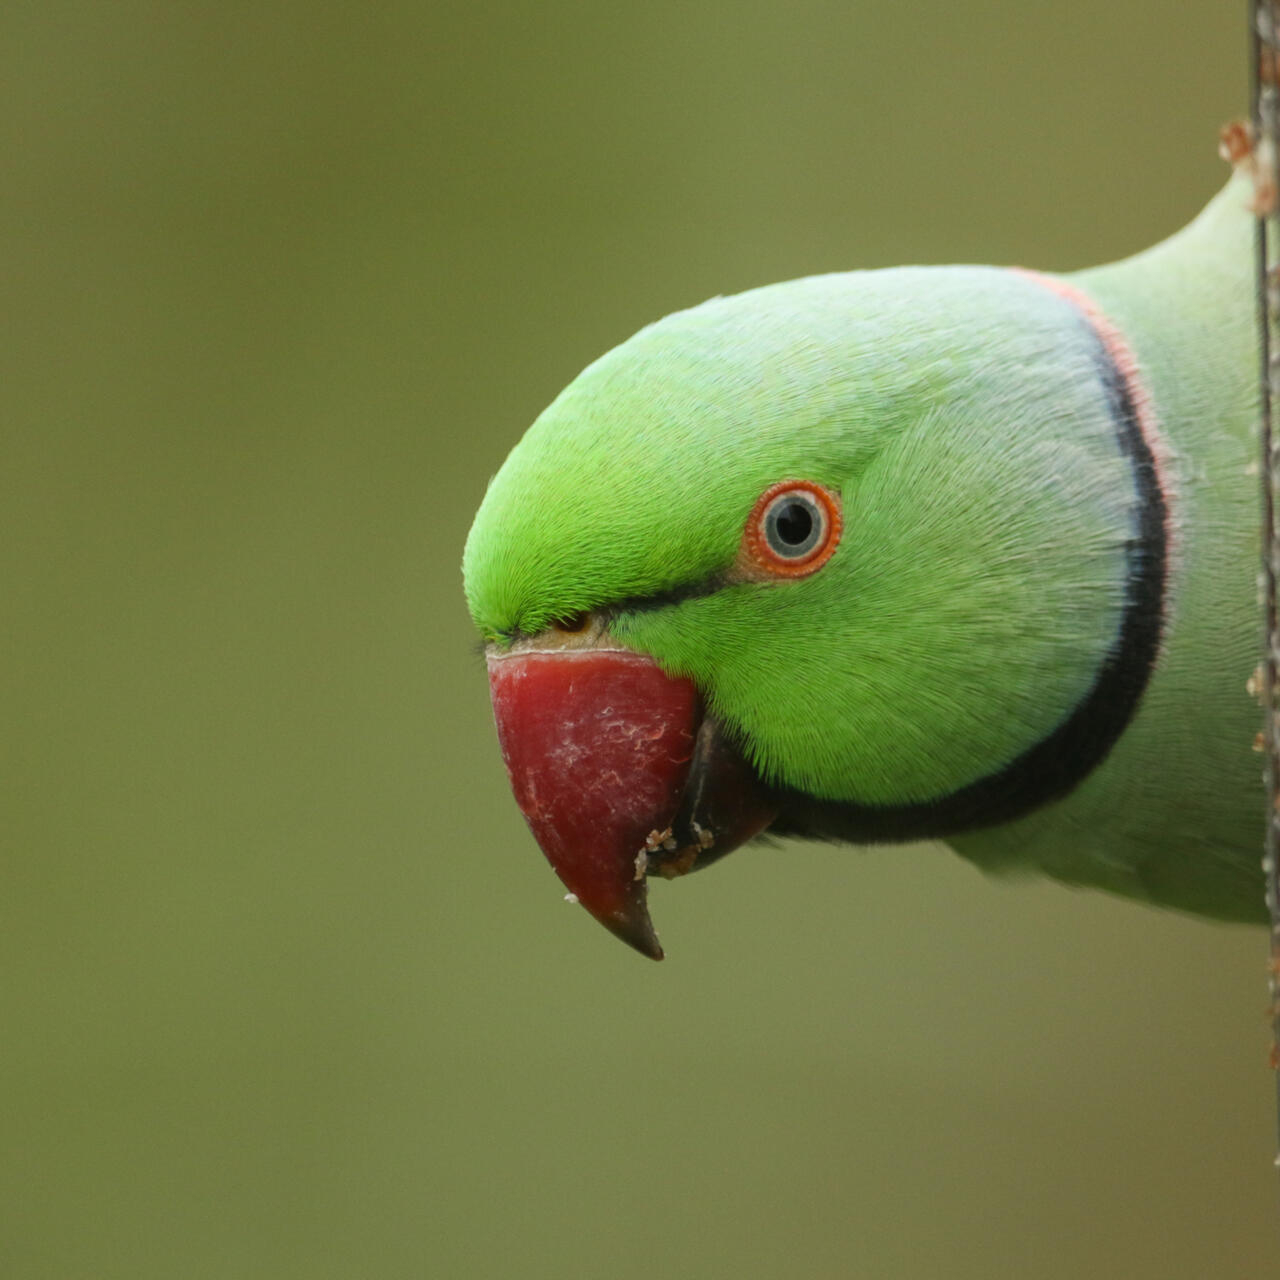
619,775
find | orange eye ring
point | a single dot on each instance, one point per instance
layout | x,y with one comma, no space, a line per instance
793,530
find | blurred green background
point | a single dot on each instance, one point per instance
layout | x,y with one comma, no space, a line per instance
285,987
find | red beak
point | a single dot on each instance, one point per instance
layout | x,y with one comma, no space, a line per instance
619,775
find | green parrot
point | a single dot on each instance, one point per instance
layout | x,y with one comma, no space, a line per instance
965,553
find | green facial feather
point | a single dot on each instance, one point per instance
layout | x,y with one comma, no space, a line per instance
979,579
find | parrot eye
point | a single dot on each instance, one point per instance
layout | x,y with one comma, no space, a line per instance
792,525
793,528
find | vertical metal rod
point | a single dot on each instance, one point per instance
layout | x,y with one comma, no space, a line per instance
1263,103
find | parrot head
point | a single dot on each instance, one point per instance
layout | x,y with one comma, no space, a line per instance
819,558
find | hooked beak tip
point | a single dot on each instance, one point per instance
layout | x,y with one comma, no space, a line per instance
634,927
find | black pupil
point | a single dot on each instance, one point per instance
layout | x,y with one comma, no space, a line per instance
794,523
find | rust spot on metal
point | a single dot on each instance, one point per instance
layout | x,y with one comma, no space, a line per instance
1235,142
1268,65
1253,686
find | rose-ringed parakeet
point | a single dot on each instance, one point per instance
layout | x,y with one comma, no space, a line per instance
954,552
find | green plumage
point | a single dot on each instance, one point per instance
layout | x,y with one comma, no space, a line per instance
985,566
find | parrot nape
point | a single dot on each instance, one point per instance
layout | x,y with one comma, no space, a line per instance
965,553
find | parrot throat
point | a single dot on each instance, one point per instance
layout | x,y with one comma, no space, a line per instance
1056,764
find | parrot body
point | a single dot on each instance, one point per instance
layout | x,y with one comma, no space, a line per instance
967,553
1175,814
